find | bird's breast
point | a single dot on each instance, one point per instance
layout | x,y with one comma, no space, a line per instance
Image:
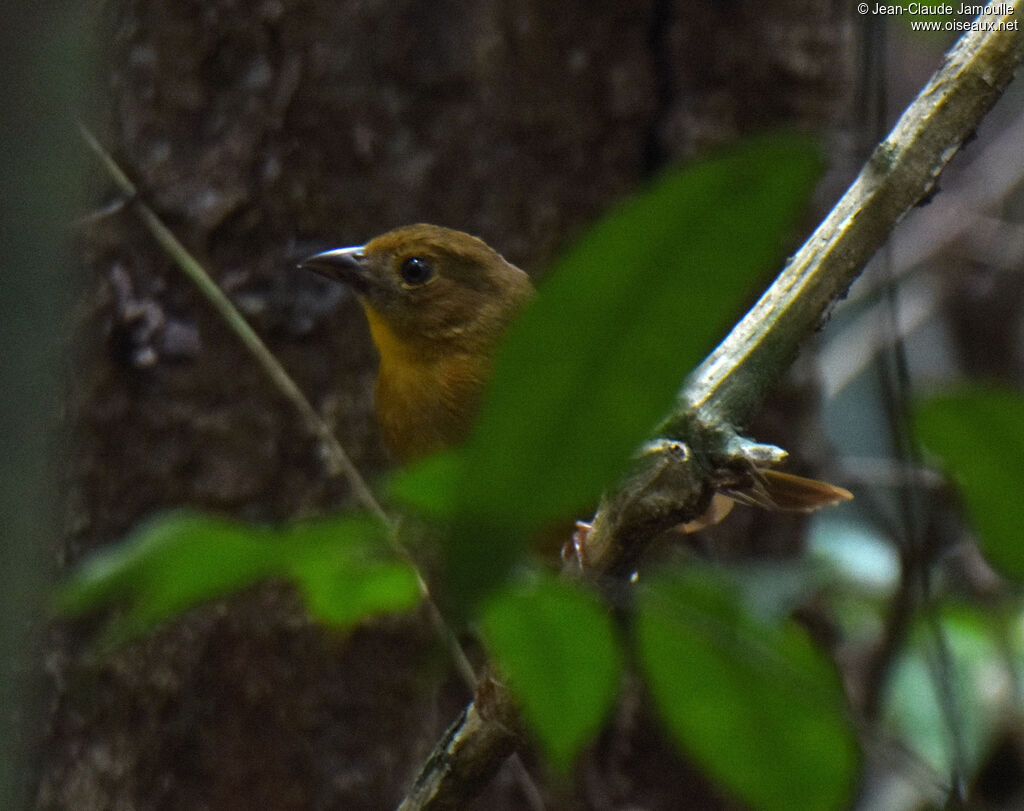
427,396
423,407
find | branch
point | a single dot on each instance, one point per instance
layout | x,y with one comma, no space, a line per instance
335,456
337,460
902,171
672,483
472,749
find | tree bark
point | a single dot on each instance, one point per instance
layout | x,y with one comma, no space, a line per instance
261,132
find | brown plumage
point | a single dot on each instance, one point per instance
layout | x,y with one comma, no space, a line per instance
438,302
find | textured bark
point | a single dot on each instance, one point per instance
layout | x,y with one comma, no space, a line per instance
261,131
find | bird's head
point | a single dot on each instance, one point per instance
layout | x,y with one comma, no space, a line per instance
430,287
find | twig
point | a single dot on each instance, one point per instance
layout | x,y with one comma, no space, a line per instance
982,184
902,171
470,752
732,381
338,461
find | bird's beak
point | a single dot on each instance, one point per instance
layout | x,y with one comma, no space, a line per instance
346,265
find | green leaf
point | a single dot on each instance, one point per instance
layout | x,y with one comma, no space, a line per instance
599,356
924,705
624,316
350,591
555,644
179,559
752,701
430,486
339,566
169,563
978,433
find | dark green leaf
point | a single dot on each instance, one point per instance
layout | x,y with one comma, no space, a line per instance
556,645
749,699
168,564
978,433
180,559
600,354
625,315
430,486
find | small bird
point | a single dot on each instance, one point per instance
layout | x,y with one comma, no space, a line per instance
438,303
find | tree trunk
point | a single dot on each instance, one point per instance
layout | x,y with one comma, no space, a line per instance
260,132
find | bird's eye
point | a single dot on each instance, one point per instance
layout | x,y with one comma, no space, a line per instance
416,270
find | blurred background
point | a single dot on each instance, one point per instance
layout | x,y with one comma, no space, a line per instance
263,131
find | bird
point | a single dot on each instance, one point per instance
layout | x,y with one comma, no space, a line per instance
438,302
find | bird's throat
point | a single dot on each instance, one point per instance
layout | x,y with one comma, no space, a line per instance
392,348
426,399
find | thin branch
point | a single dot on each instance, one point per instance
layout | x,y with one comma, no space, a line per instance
902,171
982,184
337,460
726,388
472,749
